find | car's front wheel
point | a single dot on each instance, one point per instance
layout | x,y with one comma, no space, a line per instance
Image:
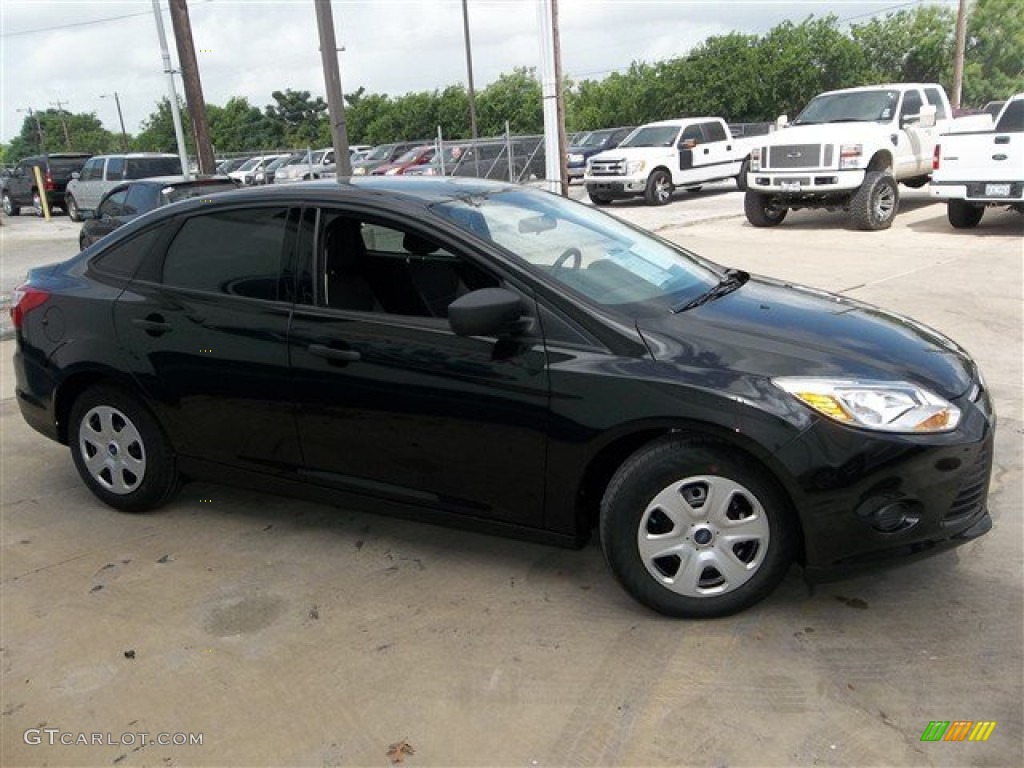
692,530
9,207
874,205
120,450
659,188
71,206
598,199
761,211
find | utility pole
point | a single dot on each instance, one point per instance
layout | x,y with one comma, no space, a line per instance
332,82
120,117
563,168
64,123
958,61
551,93
469,70
193,86
179,135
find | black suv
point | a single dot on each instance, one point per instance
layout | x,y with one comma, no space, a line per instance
20,187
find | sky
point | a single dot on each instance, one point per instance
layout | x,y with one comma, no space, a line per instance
72,51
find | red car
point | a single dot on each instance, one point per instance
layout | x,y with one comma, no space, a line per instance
415,156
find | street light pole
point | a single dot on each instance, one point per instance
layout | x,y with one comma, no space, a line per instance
120,117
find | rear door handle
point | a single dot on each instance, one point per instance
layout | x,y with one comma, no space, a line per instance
1002,139
330,353
154,325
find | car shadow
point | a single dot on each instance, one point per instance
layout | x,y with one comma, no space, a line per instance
997,222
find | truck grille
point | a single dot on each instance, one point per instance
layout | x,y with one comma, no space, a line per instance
607,167
795,156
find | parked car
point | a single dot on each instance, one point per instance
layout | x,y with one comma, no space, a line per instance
588,145
246,173
309,165
410,159
382,153
102,173
19,189
129,200
975,170
482,159
499,357
268,174
231,164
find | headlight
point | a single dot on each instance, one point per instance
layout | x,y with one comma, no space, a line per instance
755,159
392,171
360,171
635,166
575,157
850,156
895,406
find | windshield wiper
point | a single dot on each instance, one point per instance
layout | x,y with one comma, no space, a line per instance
732,280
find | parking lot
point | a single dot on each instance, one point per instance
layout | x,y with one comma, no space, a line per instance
291,633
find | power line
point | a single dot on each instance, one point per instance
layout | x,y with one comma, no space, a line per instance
76,24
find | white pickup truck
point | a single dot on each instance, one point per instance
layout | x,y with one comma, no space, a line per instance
973,170
657,158
846,151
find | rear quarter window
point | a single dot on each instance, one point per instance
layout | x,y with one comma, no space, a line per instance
1012,120
123,259
144,167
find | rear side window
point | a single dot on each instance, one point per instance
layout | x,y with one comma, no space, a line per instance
115,168
144,167
714,132
113,205
234,252
141,198
124,258
1012,120
65,166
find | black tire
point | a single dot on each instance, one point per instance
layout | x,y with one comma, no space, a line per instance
71,206
676,469
37,202
915,182
659,187
761,211
120,450
964,215
9,206
874,205
741,180
597,199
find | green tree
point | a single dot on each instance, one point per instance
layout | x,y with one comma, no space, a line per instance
157,133
908,46
62,131
238,126
515,98
303,119
994,57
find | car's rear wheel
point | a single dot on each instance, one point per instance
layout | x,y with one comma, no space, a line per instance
761,211
692,530
9,207
120,450
964,215
659,188
71,206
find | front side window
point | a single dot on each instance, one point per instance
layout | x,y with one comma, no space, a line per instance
234,252
691,134
911,105
593,254
92,170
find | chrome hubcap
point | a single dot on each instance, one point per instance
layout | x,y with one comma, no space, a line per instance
703,536
885,203
112,449
662,189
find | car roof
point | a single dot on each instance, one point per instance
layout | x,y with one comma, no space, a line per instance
137,155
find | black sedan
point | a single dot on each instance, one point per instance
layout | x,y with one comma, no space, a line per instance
469,352
134,198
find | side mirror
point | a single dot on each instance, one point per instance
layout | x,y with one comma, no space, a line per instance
927,116
76,175
781,122
689,143
485,312
86,215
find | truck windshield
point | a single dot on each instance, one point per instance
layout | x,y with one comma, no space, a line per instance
652,136
850,107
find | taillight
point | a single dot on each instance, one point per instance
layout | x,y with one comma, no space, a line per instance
935,157
49,183
24,299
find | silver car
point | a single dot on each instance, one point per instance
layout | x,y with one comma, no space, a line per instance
102,173
310,165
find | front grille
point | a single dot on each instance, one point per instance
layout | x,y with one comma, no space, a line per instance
974,488
607,167
795,156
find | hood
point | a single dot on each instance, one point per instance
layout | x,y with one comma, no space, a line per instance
826,133
768,328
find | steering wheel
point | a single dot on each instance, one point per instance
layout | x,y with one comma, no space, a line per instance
571,252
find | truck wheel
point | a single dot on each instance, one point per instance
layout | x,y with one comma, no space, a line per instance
741,180
9,207
761,211
963,215
659,188
874,205
597,199
72,208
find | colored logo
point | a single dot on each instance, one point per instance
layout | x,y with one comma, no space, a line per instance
958,730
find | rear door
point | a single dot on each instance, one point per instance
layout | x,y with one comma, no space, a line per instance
391,403
207,325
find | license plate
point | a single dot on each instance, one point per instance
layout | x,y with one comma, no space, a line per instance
997,190
790,186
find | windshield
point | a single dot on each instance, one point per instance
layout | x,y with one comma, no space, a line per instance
585,250
251,163
412,155
382,152
652,136
851,107
595,139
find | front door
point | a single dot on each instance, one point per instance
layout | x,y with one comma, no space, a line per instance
390,402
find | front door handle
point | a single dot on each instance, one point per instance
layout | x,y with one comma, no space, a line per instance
330,353
154,325
1002,139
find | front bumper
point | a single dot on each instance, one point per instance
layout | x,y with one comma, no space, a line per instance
809,181
615,186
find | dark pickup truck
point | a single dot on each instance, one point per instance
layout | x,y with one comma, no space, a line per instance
19,188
